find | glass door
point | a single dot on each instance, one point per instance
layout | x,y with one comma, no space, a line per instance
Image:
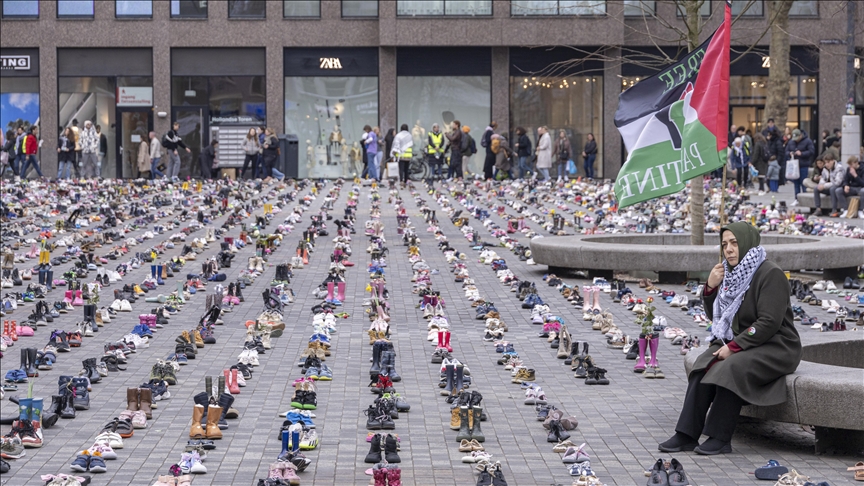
194,131
133,128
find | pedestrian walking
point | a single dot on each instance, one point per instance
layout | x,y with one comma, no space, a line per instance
20,156
89,150
561,154
800,147
172,143
76,165
486,141
544,152
155,156
773,174
103,150
371,144
589,155
144,159
759,159
523,152
207,161
270,151
402,151
65,153
503,157
31,147
251,148
455,140
469,147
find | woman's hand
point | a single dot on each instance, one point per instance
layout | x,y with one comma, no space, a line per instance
715,278
723,353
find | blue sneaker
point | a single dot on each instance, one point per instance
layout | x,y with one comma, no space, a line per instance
297,417
81,463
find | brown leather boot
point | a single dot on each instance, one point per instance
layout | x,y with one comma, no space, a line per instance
196,431
213,414
199,340
132,399
455,421
145,400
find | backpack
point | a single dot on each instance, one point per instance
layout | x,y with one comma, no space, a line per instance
465,145
164,140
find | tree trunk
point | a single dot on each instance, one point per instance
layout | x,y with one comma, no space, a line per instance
697,191
777,104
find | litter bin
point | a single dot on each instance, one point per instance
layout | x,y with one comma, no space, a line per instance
289,159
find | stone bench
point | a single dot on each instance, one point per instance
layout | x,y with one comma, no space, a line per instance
827,394
672,256
806,200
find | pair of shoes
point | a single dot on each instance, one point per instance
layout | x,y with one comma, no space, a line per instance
673,475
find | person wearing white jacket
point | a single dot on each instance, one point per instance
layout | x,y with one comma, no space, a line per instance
402,151
89,140
832,176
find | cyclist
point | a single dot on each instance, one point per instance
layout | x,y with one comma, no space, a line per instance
435,150
402,151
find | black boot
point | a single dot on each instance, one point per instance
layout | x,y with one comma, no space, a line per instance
90,370
225,401
376,360
449,374
374,455
476,433
31,362
464,430
390,454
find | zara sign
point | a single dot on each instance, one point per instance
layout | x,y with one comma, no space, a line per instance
17,63
330,63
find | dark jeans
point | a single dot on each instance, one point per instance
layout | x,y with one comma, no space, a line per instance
774,185
248,161
589,166
696,419
269,160
742,175
31,160
455,169
488,166
799,183
403,169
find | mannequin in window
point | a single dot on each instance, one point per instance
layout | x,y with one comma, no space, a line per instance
418,133
356,157
310,157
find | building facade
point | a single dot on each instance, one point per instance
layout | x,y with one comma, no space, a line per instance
323,69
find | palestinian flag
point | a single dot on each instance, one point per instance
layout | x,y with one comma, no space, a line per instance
674,124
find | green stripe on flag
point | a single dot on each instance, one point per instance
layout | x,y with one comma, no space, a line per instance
660,169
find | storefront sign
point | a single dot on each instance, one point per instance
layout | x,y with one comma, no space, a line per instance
215,120
330,63
17,63
138,96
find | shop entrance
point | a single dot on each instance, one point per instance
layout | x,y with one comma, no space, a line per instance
195,132
133,127
751,118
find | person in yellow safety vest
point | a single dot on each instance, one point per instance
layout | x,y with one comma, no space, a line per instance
402,151
435,150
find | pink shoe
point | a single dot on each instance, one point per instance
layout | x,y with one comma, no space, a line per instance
78,301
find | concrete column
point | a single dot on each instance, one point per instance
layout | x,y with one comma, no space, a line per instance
832,88
48,108
610,141
387,89
162,71
501,87
275,88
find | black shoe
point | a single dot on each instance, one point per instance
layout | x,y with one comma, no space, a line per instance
712,447
678,443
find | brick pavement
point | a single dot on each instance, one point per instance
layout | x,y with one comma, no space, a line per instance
621,423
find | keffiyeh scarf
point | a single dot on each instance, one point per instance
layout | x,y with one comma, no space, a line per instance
735,284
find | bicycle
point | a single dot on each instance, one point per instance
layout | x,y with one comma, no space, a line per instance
418,170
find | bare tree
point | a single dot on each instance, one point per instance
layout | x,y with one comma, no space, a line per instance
777,104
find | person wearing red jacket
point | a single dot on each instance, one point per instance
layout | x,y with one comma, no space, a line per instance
31,146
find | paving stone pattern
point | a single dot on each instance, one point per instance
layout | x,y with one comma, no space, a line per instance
621,423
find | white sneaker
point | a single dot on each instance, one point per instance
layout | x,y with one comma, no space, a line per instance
844,213
793,203
861,214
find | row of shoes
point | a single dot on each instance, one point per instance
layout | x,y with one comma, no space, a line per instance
298,431
384,445
555,421
466,410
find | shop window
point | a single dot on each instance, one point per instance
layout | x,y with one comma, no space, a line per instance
704,9
418,8
301,8
19,103
328,115
247,9
748,9
557,7
424,100
94,99
237,100
75,9
359,8
804,8
189,9
20,9
134,8
570,103
638,8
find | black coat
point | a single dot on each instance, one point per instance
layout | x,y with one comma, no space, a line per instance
590,148
854,181
524,146
805,145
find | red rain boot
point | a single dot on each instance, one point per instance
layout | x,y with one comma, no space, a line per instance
447,341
